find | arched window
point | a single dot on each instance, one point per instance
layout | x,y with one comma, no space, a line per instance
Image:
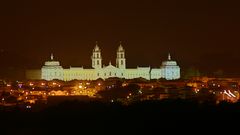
121,62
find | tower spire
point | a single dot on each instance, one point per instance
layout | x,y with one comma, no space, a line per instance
96,57
120,48
52,57
169,56
96,48
120,60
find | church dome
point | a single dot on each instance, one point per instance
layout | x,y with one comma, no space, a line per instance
52,62
169,62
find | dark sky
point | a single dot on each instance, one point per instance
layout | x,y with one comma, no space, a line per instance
203,34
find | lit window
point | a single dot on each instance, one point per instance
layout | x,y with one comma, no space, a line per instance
121,55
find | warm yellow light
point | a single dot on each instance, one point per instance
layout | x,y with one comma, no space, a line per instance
99,84
80,86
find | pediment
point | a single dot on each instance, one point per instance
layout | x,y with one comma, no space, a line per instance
110,67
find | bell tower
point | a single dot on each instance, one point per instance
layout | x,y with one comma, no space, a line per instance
96,57
120,60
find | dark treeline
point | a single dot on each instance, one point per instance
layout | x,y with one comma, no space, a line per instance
101,117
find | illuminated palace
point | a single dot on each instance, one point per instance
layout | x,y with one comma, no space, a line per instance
53,70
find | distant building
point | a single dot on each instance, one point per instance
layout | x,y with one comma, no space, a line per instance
53,70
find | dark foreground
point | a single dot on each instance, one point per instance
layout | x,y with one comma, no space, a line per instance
147,117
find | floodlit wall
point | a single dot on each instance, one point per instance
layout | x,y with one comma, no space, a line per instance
52,72
156,73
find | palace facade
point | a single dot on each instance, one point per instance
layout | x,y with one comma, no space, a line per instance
53,70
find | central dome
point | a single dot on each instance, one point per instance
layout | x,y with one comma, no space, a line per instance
52,62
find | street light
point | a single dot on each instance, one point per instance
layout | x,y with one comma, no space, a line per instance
31,84
3,100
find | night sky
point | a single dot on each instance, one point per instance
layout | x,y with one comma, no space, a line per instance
203,34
